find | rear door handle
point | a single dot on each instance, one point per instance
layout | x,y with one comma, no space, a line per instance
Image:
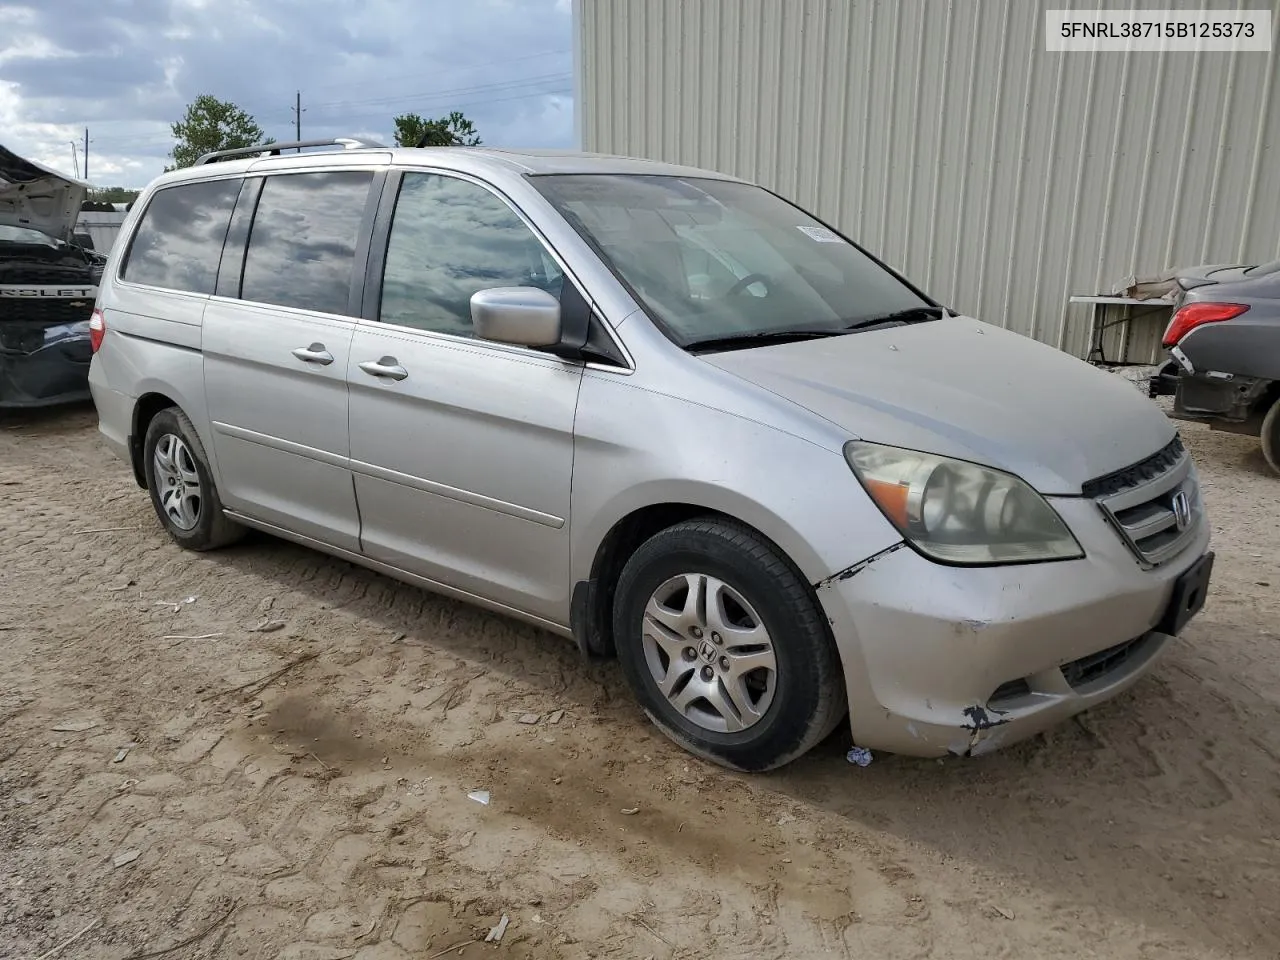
388,368
316,353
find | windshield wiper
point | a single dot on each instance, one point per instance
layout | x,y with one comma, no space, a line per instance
912,315
756,338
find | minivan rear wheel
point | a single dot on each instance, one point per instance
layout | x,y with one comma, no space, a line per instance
181,484
1271,436
724,646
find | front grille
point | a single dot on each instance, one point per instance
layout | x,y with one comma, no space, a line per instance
1086,670
46,310
1153,505
1163,460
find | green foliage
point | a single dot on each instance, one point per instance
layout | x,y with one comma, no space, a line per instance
113,195
212,124
455,130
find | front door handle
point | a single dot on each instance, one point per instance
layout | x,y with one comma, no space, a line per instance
388,368
316,353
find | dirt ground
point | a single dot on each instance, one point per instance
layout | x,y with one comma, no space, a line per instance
324,814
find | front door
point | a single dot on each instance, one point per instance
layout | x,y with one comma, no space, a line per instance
462,449
276,347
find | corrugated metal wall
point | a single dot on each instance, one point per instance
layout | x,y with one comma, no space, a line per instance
943,136
103,227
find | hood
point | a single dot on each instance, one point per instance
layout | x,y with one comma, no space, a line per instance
970,390
34,196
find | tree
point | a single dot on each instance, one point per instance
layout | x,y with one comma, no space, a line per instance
455,130
113,195
212,124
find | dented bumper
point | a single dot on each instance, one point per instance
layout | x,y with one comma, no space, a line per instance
958,660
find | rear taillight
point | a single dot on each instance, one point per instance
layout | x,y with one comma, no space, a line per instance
97,330
1197,314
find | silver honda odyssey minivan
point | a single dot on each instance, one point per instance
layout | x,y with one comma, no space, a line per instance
663,412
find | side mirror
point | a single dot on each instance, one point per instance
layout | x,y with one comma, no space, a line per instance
525,316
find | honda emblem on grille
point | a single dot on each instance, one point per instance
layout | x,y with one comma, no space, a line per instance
1181,510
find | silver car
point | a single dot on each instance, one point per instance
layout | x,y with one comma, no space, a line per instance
663,412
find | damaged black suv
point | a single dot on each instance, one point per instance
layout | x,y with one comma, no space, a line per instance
48,283
1224,344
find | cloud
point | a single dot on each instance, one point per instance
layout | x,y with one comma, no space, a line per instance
127,70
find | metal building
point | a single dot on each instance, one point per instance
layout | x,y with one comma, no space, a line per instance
103,227
943,137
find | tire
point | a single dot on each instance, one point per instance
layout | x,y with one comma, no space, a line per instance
194,518
746,583
1271,436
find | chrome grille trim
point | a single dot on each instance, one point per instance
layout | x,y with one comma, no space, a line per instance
1139,504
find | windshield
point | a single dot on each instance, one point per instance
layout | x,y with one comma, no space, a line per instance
25,235
712,259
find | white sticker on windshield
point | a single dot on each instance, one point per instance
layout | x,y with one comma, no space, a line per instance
821,234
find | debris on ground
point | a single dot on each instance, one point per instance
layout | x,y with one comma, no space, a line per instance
268,626
126,858
263,682
198,636
479,796
529,719
176,604
496,934
75,726
1004,912
69,941
859,755
124,751
556,716
630,811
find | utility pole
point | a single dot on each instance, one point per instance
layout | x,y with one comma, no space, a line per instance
297,119
86,153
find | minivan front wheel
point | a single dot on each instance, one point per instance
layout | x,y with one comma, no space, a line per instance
181,484
725,647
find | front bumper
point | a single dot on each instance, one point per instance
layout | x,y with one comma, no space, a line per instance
949,660
53,370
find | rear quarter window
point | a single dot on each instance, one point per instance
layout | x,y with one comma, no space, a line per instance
179,239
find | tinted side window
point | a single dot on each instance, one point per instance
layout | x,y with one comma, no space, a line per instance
449,239
302,246
179,239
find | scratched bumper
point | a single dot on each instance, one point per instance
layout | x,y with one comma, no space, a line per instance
945,660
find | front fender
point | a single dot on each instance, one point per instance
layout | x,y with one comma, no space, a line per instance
634,448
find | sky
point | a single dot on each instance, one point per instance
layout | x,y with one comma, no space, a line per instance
126,69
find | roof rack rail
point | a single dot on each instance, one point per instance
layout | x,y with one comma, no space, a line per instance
274,149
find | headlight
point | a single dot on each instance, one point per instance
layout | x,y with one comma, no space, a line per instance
958,512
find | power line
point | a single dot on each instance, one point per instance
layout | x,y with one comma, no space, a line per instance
458,66
500,86
383,80
159,139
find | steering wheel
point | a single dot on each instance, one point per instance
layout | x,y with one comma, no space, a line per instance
745,282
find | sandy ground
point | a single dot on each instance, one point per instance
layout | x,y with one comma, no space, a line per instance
325,814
